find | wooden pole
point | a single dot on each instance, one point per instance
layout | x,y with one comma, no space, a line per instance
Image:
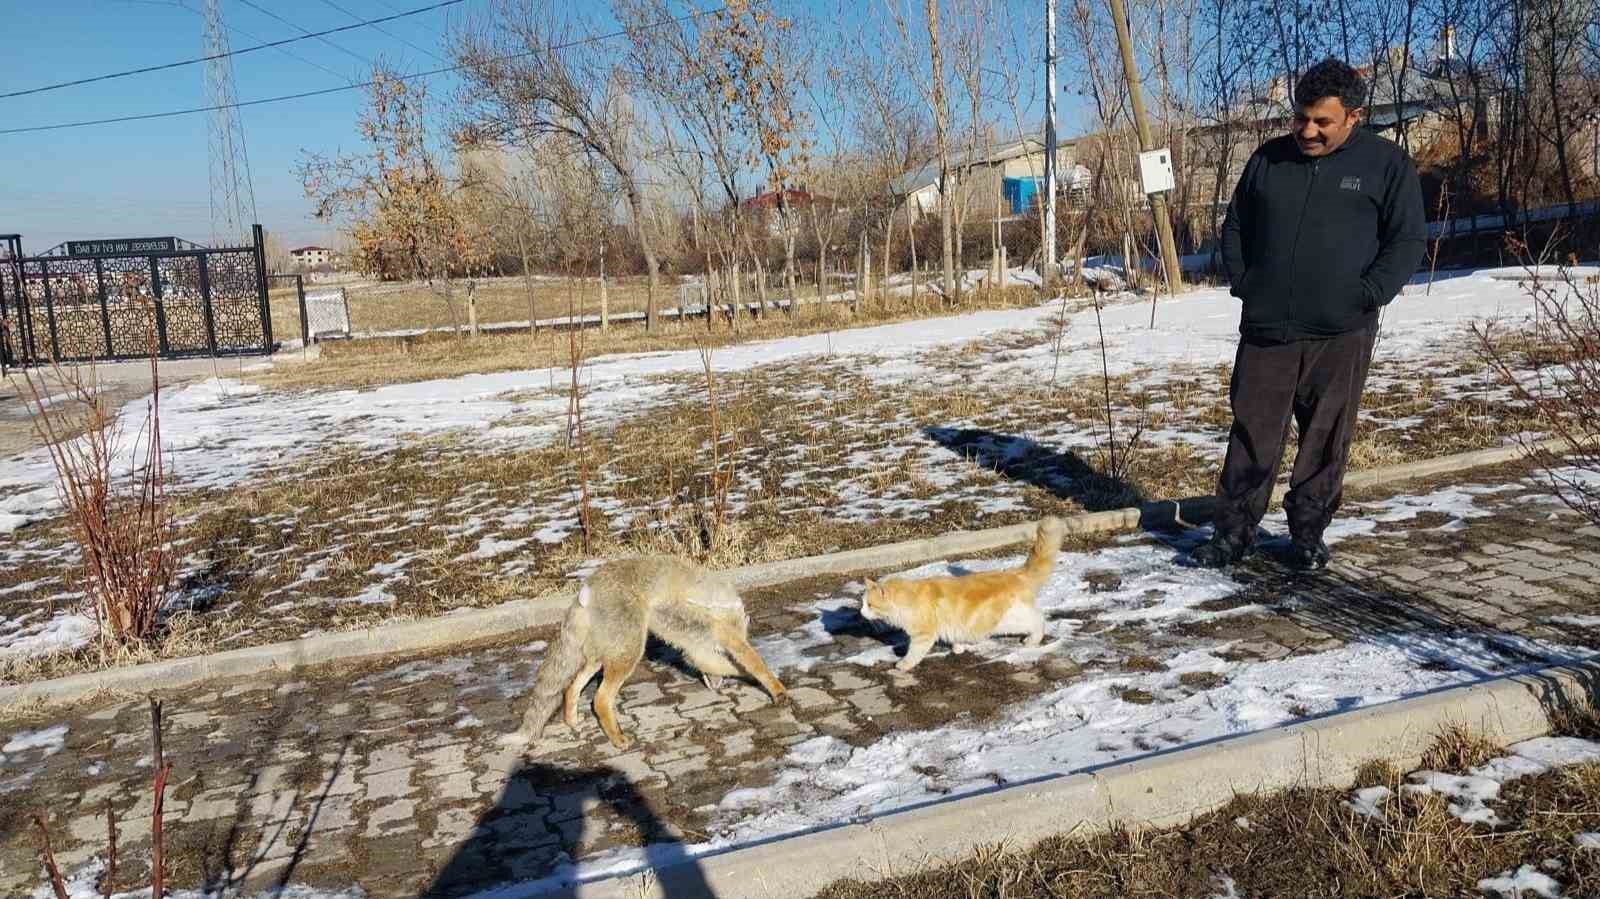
1048,275
1158,201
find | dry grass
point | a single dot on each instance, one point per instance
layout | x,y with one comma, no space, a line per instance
398,307
814,446
1459,748
368,363
1300,842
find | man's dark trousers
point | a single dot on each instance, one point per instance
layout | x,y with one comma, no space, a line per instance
1319,383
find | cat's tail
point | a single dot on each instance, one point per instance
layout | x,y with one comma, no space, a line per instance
1046,547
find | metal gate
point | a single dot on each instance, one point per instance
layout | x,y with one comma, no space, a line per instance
127,299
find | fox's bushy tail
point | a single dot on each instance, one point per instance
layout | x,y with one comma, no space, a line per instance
1046,546
561,663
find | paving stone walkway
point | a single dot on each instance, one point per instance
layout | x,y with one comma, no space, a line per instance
393,777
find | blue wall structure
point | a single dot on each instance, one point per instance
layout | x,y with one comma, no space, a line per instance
1021,193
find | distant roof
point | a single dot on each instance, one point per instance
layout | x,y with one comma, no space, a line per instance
929,174
769,199
311,250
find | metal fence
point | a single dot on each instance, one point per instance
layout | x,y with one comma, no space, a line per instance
127,299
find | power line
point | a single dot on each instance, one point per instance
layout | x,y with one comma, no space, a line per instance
334,90
384,31
284,50
240,52
269,13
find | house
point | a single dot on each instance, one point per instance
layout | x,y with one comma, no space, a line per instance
1002,181
765,207
312,257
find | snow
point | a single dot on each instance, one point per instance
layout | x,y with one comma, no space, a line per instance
1587,840
1576,620
489,547
1369,802
1471,793
1525,881
82,883
1229,889
61,632
52,740
220,431
1085,725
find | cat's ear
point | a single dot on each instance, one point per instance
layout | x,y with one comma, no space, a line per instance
871,584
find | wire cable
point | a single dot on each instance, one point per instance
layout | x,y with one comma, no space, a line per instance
334,90
263,46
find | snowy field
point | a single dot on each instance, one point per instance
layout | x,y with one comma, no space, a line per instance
892,465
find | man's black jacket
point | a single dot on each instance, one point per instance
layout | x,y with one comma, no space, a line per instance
1314,246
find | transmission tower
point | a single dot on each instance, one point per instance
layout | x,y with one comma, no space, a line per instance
233,197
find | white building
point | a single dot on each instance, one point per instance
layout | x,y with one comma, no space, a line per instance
311,257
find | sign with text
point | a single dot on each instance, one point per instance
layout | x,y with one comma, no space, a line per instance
125,246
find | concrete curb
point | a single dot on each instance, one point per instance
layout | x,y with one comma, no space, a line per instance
479,625
1154,791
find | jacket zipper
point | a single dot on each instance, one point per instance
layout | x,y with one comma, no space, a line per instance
1294,252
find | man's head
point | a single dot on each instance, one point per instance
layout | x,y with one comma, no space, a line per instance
1329,101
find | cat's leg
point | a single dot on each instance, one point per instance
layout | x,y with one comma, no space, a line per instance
914,654
1036,632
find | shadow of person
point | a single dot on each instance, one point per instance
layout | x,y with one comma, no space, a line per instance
1066,475
541,822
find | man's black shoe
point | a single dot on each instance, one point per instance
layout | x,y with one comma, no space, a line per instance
1220,551
1308,555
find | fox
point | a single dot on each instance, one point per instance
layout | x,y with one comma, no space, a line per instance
687,605
964,609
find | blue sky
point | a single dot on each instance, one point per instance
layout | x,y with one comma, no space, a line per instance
151,178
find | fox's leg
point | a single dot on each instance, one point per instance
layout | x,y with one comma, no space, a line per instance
712,665
919,648
617,670
735,642
569,708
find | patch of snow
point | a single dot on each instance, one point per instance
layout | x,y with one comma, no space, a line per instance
219,431
1525,881
62,632
52,740
1369,802
1576,620
1473,791
1587,840
489,547
1230,890
1471,794
83,883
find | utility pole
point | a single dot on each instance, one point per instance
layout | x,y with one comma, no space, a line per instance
1158,201
1048,272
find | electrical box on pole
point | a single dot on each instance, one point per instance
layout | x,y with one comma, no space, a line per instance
1155,171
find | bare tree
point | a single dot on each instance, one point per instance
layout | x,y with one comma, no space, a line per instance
531,71
405,212
929,81
762,70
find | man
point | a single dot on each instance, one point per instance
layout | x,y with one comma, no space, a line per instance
1324,229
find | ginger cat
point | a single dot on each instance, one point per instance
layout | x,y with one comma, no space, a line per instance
960,610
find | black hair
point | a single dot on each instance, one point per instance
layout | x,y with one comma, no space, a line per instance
1331,78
